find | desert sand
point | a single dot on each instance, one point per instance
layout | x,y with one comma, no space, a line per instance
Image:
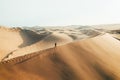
88,59
27,40
113,29
9,41
81,53
43,44
12,39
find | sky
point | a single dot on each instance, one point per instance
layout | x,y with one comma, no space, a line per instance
58,12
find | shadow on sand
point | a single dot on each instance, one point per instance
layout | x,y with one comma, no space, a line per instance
30,37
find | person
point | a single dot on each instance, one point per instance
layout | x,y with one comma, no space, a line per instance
55,44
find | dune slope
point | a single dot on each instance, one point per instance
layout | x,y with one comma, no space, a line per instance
90,59
10,39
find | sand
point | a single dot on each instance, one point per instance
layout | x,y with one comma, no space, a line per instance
46,43
89,59
9,41
20,41
107,26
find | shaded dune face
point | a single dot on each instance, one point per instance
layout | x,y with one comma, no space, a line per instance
81,60
30,37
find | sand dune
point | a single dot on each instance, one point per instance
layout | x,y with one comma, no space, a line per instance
17,41
113,29
90,59
107,26
12,39
45,43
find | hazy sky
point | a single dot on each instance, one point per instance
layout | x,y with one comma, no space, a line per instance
58,12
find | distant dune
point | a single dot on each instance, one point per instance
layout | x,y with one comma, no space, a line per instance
89,59
107,26
113,29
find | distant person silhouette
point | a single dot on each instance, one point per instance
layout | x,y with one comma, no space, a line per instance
55,44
